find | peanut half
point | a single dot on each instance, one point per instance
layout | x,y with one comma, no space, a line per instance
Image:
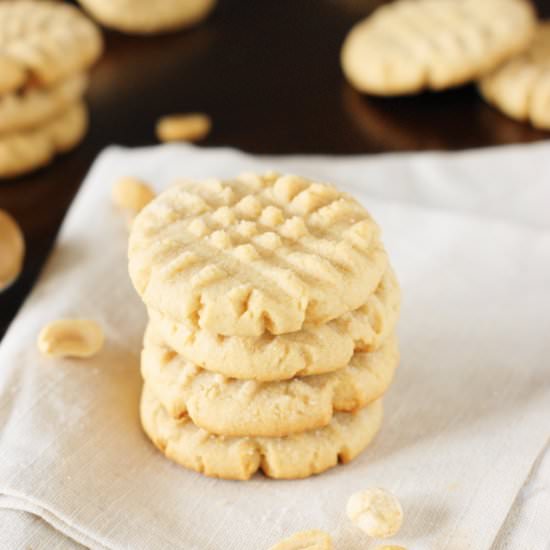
131,195
312,540
12,250
71,338
185,127
376,512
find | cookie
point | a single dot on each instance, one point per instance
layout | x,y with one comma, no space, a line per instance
313,350
233,407
411,45
44,42
27,150
521,87
12,74
33,106
146,17
292,457
255,254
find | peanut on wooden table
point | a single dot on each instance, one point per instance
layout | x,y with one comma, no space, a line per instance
183,127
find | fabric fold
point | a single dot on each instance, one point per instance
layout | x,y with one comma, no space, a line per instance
465,420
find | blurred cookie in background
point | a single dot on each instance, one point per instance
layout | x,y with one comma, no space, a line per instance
33,105
411,45
43,43
520,88
147,17
27,150
46,48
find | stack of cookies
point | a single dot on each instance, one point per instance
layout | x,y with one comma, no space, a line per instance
45,49
272,308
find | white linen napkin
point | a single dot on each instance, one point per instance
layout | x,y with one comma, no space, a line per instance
464,443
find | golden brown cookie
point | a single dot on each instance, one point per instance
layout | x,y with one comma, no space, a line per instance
44,42
32,106
296,456
255,254
27,150
313,350
410,45
146,16
520,88
233,407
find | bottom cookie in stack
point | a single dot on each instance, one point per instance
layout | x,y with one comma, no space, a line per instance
291,457
230,428
25,150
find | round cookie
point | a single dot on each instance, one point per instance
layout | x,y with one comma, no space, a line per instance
313,350
44,42
292,457
410,45
27,150
255,254
520,88
233,407
33,106
146,17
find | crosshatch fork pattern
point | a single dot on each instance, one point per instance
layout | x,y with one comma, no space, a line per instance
258,253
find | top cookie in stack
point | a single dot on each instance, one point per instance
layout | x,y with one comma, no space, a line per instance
45,49
271,337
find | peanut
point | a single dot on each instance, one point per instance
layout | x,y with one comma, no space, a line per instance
71,338
376,512
131,194
312,540
185,127
12,250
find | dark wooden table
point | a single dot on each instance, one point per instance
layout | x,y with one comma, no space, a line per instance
268,73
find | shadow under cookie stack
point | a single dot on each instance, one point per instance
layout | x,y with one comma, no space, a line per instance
45,50
272,308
